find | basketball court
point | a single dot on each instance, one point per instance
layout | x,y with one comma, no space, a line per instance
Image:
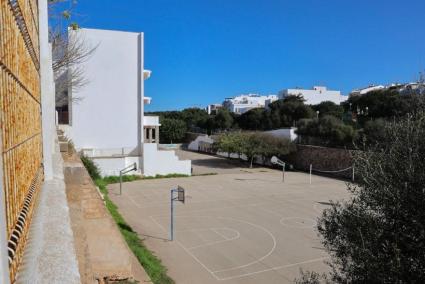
245,226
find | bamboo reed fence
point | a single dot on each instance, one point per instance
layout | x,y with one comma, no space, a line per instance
20,120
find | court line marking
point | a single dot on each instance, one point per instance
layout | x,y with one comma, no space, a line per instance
186,250
273,268
217,242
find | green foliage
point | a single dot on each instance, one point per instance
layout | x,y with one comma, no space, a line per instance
374,131
172,130
166,176
378,235
152,265
253,144
91,167
281,113
125,178
384,104
327,131
329,108
311,277
223,119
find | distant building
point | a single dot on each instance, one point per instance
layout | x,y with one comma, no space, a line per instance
314,96
362,91
244,103
213,108
414,87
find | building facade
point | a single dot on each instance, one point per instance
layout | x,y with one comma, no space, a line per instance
244,103
315,95
107,121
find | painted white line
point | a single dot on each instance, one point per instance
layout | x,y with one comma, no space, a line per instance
259,259
217,242
132,200
273,268
187,251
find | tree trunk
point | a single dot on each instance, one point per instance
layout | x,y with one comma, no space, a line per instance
252,159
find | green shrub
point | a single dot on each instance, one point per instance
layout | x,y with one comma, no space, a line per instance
91,167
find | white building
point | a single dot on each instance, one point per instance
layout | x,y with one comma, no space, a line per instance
213,108
362,91
107,122
314,96
244,103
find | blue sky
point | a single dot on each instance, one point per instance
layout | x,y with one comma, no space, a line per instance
201,51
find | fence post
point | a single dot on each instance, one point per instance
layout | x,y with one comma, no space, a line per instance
353,174
311,169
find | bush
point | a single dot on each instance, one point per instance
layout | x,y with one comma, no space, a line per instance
378,235
328,131
91,167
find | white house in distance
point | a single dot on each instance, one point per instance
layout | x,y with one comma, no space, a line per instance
244,103
108,123
315,95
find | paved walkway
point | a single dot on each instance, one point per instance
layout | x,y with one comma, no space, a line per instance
101,250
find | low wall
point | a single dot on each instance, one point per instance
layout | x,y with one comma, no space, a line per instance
322,159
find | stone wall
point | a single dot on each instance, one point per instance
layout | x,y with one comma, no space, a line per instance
322,159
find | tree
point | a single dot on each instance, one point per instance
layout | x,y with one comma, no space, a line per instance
329,108
172,130
378,235
252,119
328,131
68,51
223,119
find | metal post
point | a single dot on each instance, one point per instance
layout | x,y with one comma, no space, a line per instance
353,174
172,217
283,172
311,169
120,183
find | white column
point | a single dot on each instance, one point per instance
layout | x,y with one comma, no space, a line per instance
47,89
157,135
4,262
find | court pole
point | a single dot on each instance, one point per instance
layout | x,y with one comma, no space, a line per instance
311,169
172,217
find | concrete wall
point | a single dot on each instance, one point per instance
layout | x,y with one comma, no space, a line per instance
322,158
156,162
112,166
106,114
194,145
315,96
288,133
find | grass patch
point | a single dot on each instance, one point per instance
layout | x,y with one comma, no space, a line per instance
166,176
153,266
125,178
205,174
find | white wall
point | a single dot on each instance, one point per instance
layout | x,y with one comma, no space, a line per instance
288,133
194,145
112,166
107,114
157,162
315,95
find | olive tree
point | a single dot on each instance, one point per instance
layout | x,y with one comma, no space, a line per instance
378,235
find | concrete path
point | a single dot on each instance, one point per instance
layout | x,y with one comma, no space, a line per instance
101,250
240,226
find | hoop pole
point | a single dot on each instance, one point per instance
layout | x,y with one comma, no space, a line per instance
353,174
283,172
120,183
311,169
172,217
